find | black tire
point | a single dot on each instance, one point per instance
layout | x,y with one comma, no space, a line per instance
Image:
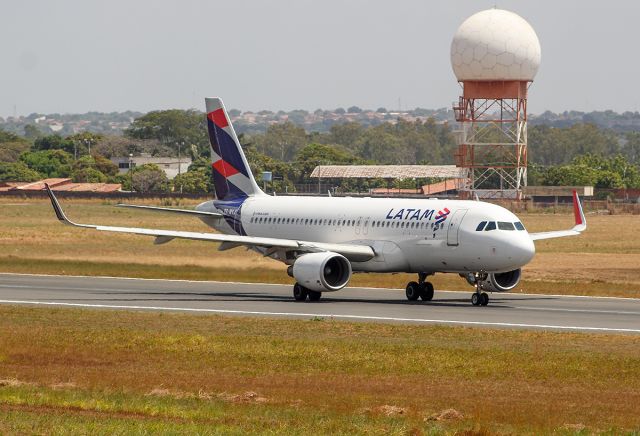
476,299
412,291
484,299
427,291
314,295
300,292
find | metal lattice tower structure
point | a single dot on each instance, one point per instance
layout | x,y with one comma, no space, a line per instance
493,138
495,55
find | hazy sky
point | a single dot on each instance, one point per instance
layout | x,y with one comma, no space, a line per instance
114,55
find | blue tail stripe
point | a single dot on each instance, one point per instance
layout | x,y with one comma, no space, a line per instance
225,146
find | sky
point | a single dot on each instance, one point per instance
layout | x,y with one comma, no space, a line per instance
75,56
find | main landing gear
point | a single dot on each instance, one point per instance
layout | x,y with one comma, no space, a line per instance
420,289
479,298
300,293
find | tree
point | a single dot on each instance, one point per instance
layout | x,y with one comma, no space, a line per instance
9,137
631,147
172,126
11,151
354,110
17,172
150,178
57,142
97,163
192,182
31,132
50,163
346,134
281,141
382,110
88,175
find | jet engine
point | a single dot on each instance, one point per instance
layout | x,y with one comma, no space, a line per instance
322,272
502,282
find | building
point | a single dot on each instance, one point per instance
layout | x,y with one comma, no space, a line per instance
172,166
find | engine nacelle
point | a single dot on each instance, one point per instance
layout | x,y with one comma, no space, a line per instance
502,282
323,272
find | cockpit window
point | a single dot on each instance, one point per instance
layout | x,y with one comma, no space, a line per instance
481,226
491,225
503,225
519,225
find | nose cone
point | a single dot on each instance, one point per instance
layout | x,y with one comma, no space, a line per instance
527,249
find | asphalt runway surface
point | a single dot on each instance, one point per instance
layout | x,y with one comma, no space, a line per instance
524,311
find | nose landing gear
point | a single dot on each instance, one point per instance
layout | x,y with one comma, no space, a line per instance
479,298
420,289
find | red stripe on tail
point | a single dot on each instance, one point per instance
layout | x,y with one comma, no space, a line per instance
224,168
218,118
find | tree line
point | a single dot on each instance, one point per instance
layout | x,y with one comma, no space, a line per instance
580,154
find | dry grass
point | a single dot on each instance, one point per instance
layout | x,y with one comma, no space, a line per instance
604,261
72,370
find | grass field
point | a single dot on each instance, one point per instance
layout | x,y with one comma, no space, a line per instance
88,371
604,261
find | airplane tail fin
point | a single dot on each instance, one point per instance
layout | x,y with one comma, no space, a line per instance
232,176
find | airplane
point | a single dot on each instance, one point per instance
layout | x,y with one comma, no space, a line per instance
324,240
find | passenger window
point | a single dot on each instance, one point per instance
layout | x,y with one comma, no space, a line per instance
402,225
491,225
481,226
519,225
503,225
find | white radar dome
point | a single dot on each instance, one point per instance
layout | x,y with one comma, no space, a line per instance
495,45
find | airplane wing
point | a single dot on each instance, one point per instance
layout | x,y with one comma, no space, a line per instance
580,226
354,252
172,210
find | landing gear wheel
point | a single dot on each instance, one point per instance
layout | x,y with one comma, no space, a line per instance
412,291
484,299
314,295
426,291
300,292
476,299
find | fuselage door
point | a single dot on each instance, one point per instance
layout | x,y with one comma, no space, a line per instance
454,227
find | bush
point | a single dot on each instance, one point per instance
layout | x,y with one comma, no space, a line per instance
150,178
17,172
50,163
192,182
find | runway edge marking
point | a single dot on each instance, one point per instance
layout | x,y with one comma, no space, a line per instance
285,284
322,315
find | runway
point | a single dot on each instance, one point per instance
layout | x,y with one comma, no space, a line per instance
524,311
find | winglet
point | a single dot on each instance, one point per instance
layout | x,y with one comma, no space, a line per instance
58,209
581,221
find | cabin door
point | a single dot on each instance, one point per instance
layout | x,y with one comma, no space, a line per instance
454,227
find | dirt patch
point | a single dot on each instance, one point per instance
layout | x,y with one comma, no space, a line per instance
389,410
63,385
12,382
574,427
446,415
247,397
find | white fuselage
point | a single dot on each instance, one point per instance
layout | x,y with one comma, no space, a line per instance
407,235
